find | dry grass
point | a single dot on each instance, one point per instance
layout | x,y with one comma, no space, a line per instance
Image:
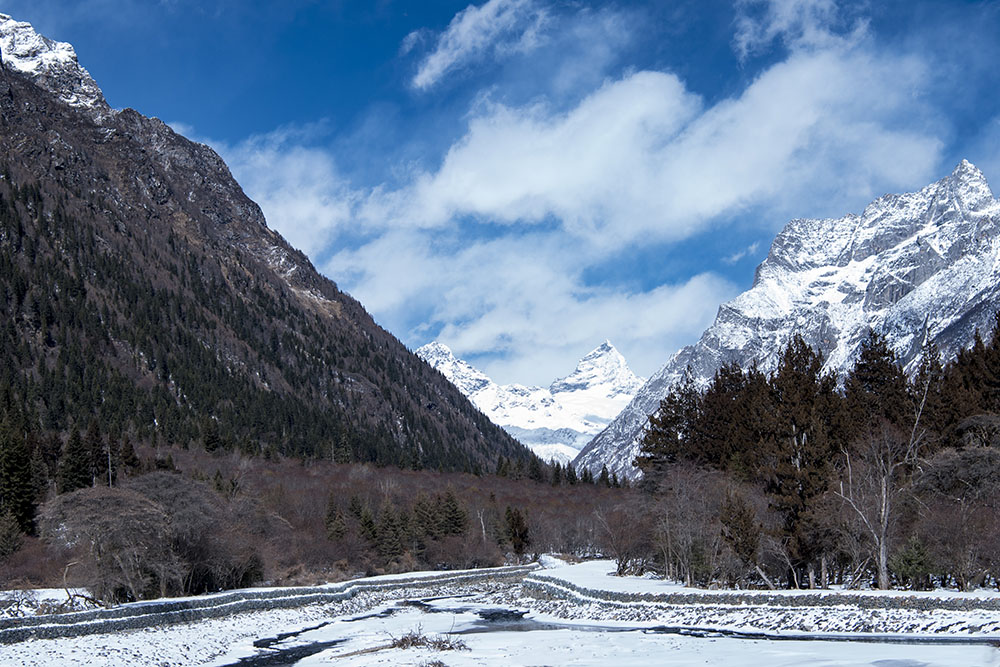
416,639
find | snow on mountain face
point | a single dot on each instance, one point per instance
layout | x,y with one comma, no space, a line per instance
909,265
555,422
52,65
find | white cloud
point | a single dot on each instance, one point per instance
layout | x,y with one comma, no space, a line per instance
497,27
518,305
490,249
797,23
298,187
745,252
641,157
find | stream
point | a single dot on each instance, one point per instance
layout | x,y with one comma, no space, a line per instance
465,619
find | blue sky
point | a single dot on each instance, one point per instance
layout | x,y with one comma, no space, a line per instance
522,179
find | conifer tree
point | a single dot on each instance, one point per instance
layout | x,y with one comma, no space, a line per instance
926,397
875,390
454,519
93,441
388,542
74,466
516,529
367,524
127,458
17,486
354,506
335,521
557,474
662,441
425,518
604,479
535,470
571,478
11,535
801,447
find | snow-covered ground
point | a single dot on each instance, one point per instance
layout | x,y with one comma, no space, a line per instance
560,626
599,575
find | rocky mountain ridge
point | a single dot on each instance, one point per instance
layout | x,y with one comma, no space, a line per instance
555,422
142,289
910,266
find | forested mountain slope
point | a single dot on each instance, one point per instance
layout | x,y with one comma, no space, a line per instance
141,288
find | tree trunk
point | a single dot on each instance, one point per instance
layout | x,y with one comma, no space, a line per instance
883,564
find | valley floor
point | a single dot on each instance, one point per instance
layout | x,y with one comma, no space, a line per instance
563,615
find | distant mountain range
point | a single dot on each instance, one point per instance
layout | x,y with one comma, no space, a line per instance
141,288
555,422
911,266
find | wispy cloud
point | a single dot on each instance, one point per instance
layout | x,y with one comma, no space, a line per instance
489,249
519,304
297,185
749,251
643,157
495,28
796,23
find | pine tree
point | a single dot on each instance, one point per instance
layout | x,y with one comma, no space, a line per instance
127,458
18,490
74,465
335,521
210,435
11,535
454,519
388,542
604,479
571,478
425,518
516,530
354,506
875,390
367,524
926,397
800,449
535,470
93,441
663,440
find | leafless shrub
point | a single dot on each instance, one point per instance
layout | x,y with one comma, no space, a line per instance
416,639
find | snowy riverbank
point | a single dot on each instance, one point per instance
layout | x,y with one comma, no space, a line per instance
565,614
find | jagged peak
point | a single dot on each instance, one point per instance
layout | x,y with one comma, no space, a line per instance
436,349
459,372
52,65
602,350
604,365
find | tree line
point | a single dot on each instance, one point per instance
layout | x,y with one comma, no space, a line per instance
801,478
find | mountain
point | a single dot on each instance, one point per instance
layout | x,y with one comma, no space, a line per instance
141,290
911,266
555,422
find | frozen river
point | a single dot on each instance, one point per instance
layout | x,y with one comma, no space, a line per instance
501,639
564,615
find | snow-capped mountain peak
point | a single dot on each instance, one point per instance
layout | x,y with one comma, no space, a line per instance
52,65
604,367
463,375
554,422
910,264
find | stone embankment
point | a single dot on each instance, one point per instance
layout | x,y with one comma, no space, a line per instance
156,613
844,614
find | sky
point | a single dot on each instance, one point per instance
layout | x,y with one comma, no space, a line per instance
523,179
